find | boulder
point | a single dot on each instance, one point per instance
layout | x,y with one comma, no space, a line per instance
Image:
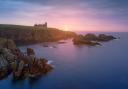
39,67
7,53
30,51
18,67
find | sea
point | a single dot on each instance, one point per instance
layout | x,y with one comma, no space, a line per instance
79,67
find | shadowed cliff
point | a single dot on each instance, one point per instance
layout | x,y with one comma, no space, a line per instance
30,34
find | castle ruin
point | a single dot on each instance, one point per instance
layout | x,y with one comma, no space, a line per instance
41,25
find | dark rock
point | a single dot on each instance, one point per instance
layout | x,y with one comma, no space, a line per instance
44,45
4,73
103,37
39,67
79,40
21,65
4,64
61,42
18,67
30,51
90,37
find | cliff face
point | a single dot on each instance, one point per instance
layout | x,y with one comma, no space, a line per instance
7,43
13,61
27,34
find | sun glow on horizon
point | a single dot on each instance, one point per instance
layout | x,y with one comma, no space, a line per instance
66,28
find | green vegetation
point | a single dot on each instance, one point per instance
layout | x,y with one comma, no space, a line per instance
30,34
13,61
14,27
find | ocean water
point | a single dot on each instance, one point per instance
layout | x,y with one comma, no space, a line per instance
80,67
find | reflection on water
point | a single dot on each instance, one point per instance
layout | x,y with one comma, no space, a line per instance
80,67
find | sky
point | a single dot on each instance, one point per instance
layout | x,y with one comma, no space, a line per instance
73,15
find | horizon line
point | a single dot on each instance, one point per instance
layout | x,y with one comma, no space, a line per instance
63,29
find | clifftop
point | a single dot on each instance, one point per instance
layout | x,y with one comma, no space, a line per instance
32,34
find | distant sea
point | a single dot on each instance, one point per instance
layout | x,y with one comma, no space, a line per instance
80,67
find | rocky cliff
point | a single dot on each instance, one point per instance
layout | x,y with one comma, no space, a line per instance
13,61
31,34
21,65
7,43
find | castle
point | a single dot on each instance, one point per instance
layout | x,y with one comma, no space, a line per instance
41,25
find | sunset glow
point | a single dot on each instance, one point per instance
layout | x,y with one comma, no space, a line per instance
83,15
63,44
66,28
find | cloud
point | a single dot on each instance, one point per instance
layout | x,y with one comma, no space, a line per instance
114,8
94,3
76,12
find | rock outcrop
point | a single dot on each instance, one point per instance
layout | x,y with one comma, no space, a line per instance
22,65
92,39
100,37
80,40
103,37
7,43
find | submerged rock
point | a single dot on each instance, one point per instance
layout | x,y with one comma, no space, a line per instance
61,42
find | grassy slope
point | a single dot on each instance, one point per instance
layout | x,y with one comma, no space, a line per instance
33,34
25,28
